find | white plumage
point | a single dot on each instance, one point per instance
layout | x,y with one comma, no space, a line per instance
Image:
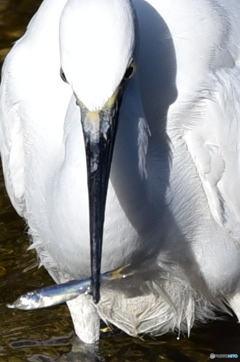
173,207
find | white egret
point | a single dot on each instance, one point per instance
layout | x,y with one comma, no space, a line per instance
173,206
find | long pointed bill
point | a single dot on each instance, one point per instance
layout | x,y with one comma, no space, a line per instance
99,129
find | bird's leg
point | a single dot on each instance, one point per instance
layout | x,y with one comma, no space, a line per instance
85,318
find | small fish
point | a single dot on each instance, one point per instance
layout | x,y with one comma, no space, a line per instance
61,293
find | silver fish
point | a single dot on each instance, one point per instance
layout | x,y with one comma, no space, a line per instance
61,293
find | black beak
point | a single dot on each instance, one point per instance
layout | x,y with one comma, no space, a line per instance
99,129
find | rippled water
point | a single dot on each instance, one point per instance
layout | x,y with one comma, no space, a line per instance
47,335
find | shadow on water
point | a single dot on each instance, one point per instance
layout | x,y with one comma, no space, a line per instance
47,335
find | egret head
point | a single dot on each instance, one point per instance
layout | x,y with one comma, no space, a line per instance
96,50
96,47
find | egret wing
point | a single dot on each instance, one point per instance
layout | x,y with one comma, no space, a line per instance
214,144
11,137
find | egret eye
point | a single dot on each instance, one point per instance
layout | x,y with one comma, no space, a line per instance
130,71
62,75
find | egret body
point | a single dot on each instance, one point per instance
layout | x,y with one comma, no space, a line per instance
151,90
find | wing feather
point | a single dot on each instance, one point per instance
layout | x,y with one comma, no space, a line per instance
214,144
11,142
